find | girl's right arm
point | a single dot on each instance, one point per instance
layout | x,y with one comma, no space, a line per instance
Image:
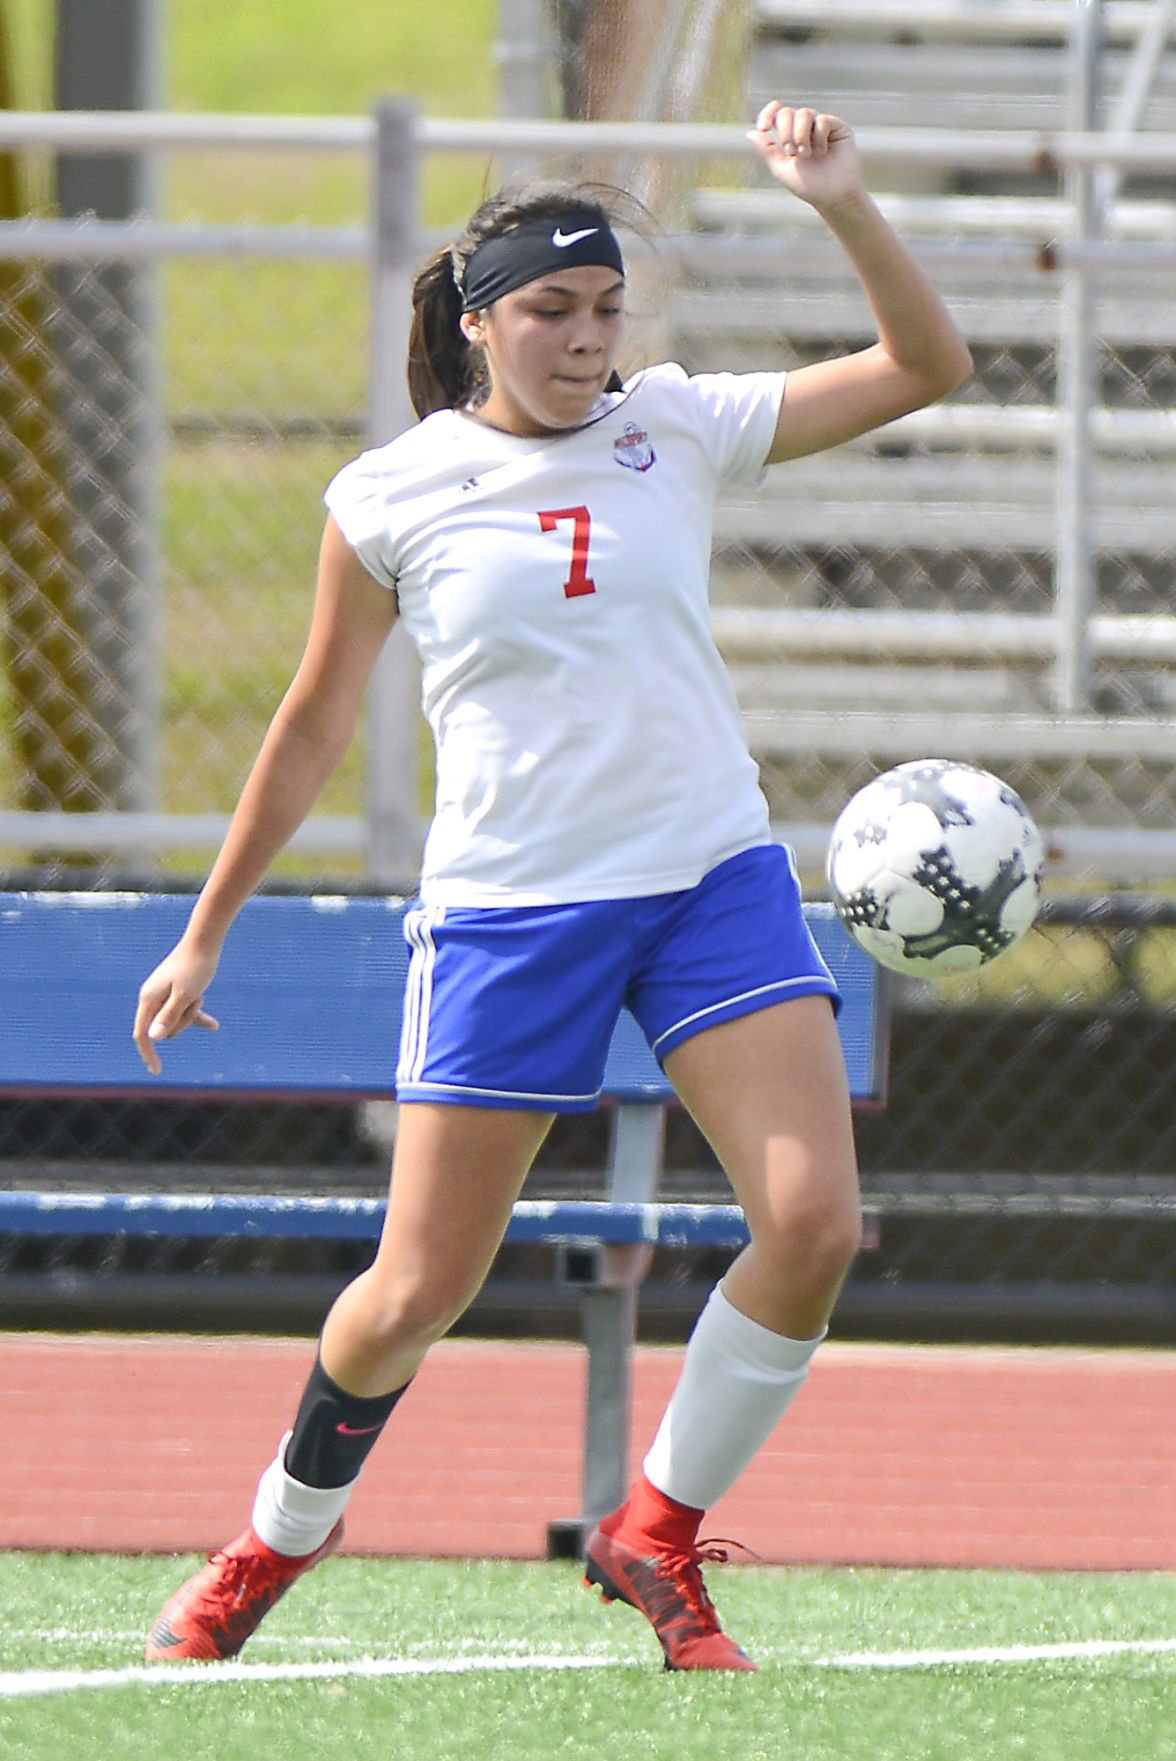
306,740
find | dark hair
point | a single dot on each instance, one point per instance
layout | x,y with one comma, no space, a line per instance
444,370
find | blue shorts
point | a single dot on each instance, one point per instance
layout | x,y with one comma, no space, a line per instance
515,1006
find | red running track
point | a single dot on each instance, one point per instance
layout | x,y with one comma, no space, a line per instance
905,1456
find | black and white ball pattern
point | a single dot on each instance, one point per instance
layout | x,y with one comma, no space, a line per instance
935,867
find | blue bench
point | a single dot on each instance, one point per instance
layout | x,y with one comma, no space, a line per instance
309,994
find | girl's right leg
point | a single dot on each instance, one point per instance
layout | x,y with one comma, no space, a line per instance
456,1174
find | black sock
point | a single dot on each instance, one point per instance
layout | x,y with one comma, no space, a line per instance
334,1431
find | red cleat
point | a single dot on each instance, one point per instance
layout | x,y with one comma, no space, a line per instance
668,1589
217,1610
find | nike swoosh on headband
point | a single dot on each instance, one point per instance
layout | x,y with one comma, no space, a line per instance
563,239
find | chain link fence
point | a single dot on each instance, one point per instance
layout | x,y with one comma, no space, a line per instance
934,546
169,426
161,513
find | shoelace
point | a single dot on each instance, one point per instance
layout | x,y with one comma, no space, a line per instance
683,1572
717,1550
237,1575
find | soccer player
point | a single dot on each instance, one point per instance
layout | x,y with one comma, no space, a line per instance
599,840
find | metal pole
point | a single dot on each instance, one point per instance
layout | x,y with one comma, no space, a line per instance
109,55
1138,83
1077,387
999,149
524,56
608,1315
393,818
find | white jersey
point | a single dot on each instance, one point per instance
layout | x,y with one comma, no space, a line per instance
589,744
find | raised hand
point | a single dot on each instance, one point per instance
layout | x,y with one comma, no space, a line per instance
810,152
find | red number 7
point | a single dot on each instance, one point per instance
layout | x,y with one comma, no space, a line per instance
578,580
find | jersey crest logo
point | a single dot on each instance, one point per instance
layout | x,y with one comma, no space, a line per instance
633,449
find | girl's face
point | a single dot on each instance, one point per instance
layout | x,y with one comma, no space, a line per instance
550,347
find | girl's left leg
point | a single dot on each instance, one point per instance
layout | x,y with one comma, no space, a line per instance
769,1091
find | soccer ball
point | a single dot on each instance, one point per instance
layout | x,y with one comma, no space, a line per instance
935,868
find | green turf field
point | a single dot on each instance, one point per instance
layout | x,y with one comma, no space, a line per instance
502,1662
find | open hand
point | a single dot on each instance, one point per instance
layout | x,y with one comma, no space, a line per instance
810,152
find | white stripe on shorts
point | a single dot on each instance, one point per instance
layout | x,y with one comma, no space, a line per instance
779,984
523,1096
418,990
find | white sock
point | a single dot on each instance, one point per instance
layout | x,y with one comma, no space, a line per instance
292,1518
737,1382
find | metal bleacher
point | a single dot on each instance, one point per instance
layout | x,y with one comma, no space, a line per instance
977,477
944,63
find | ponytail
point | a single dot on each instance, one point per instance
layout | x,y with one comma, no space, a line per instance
443,370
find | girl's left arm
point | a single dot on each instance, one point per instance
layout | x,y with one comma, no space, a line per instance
919,355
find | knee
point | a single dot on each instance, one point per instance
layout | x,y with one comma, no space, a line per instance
844,1241
821,1237
402,1313
832,1240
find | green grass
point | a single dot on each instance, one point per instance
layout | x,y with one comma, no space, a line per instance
463,1634
287,57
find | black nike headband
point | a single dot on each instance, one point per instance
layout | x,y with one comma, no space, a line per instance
534,248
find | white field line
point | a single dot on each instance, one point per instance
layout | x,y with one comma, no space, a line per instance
1077,1649
17,1684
